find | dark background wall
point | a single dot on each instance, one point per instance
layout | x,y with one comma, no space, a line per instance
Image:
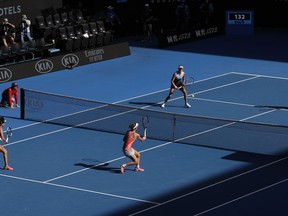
13,9
268,13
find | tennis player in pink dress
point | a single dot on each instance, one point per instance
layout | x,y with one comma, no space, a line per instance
129,138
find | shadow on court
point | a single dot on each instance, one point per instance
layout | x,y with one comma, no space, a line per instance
104,167
271,107
220,194
145,104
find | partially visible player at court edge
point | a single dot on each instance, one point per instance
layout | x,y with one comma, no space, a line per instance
10,96
177,82
2,148
129,138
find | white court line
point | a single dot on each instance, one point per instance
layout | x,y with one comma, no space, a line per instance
264,76
215,184
78,189
224,102
81,170
242,197
223,126
229,84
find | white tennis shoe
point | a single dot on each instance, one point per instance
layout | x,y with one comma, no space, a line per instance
187,105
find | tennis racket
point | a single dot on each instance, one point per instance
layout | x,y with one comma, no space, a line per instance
188,82
145,122
9,133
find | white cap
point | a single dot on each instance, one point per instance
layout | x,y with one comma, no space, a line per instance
136,126
181,66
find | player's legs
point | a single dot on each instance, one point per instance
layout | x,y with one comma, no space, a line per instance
135,160
138,168
185,97
5,157
168,97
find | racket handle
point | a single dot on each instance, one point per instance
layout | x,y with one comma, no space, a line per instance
145,133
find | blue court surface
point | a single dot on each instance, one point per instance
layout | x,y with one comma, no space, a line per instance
237,167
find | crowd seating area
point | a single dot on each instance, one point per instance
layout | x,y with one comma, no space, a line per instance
57,33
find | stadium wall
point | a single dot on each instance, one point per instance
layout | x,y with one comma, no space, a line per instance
63,61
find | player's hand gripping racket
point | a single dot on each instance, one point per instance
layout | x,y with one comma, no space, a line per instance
188,82
9,133
145,124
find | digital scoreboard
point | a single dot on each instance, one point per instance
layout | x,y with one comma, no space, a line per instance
239,22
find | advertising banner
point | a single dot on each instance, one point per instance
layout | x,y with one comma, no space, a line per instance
63,61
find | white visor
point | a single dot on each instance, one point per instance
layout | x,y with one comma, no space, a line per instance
136,125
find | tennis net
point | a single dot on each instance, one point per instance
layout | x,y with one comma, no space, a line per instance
171,127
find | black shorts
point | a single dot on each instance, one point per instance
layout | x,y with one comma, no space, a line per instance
172,86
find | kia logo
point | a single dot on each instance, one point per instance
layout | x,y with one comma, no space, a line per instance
5,74
70,61
34,103
44,66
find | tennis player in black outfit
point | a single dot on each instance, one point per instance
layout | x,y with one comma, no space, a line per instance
177,82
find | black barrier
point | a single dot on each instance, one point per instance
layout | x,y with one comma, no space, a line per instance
173,38
64,61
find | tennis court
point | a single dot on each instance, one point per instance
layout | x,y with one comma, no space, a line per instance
229,159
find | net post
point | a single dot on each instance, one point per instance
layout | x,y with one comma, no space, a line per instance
174,127
22,103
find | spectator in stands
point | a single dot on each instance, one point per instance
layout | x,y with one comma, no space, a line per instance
147,19
10,96
182,16
112,21
7,32
206,9
2,148
25,30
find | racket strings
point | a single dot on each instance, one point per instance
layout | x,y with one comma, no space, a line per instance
145,121
9,131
